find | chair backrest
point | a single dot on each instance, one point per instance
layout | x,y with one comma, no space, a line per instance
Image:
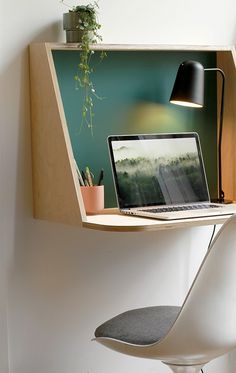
207,321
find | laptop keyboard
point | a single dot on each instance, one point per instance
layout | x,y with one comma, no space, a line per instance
181,208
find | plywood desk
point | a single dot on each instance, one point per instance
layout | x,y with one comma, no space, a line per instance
56,190
111,220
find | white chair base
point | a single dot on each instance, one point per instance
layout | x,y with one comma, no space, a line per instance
184,368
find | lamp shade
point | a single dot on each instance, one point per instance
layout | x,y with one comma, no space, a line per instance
188,88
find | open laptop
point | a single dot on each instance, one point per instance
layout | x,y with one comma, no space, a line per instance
162,176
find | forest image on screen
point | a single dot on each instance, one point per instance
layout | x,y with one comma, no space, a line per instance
158,171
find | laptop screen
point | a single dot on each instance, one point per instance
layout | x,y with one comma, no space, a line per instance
157,169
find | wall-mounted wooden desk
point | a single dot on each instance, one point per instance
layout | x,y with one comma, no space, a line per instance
57,195
111,220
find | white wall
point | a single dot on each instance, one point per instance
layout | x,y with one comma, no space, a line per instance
173,22
58,283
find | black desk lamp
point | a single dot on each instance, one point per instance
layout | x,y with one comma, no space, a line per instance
188,90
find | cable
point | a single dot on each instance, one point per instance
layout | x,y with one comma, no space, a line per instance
213,232
209,245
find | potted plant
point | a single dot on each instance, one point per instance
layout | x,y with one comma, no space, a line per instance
80,20
82,26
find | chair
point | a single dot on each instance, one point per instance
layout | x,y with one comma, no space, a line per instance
185,338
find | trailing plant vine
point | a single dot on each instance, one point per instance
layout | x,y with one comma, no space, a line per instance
89,25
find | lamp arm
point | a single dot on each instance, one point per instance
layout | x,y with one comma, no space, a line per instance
220,191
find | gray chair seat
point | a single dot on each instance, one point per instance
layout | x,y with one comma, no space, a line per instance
141,326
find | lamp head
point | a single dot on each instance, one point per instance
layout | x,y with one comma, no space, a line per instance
188,88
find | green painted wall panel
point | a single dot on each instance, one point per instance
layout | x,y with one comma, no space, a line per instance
135,86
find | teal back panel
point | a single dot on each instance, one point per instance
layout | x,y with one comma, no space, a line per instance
135,86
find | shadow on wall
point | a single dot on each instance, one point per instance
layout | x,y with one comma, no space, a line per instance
52,33
235,36
20,65
65,281
16,195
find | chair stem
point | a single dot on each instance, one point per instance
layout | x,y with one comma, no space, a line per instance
184,368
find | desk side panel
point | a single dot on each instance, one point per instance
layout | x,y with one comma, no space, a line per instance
57,194
226,60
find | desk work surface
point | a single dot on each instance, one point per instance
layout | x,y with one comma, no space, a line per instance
112,220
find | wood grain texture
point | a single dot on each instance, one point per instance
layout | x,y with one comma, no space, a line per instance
123,223
139,47
227,62
56,191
